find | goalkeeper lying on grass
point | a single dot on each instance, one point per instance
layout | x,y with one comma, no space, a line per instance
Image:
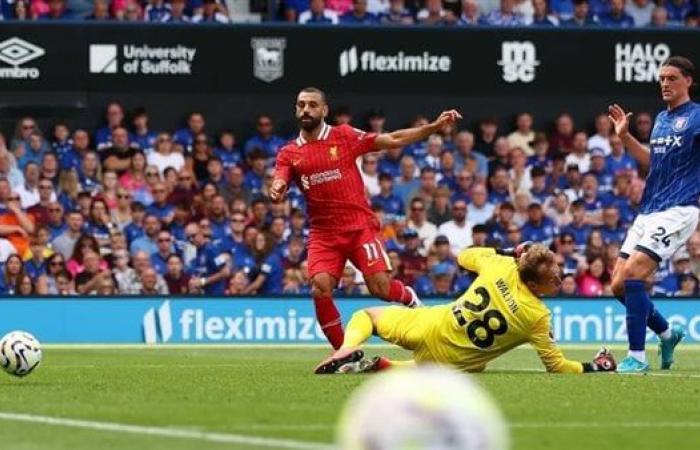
500,311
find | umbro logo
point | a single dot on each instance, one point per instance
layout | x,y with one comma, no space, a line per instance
16,52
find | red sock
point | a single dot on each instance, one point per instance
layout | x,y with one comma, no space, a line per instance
398,293
329,318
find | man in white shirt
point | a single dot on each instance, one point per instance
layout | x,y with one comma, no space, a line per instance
317,13
601,139
480,209
427,231
579,155
163,155
29,190
458,230
640,10
523,136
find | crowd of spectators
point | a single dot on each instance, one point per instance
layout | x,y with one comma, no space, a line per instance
504,13
125,209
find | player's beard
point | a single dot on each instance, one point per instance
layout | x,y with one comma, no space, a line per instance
308,125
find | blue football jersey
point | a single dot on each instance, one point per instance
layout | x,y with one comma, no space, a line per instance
674,175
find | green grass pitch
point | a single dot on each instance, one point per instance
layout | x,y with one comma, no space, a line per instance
221,398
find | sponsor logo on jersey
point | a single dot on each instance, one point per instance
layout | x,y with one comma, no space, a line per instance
659,145
680,123
16,52
268,58
319,178
639,62
519,61
352,60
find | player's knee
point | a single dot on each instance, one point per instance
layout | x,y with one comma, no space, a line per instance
378,286
617,286
321,288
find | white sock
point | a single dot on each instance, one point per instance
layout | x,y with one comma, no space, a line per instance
666,334
639,355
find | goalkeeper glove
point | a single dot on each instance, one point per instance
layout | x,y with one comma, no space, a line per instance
604,361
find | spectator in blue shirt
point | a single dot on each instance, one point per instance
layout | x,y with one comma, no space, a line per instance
601,171
227,151
147,242
541,17
470,14
581,17
115,119
619,160
318,14
390,162
612,229
211,268
264,139
617,16
164,211
159,259
678,10
218,219
62,143
564,9
466,157
578,228
359,14
156,11
134,230
538,228
500,184
178,12
396,14
391,203
34,152
184,137
505,16
143,137
538,191
254,178
593,199
565,248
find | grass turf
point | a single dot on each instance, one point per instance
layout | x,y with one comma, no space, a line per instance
271,392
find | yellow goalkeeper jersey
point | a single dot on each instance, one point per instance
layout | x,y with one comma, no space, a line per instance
496,314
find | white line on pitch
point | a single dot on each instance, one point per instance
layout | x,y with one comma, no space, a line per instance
605,425
175,433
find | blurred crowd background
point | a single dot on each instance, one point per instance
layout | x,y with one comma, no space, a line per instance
129,210
503,13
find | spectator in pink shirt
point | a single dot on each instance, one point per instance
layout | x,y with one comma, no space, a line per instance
595,281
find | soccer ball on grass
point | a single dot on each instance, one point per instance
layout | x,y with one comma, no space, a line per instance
422,408
20,353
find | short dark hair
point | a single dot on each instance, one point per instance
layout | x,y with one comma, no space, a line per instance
686,67
315,90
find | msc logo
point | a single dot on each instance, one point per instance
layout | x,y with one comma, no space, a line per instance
268,58
15,52
519,60
158,324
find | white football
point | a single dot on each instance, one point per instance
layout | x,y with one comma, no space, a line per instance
20,353
423,408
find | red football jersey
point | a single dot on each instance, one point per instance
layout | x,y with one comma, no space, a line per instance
327,173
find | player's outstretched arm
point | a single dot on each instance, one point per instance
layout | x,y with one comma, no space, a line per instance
553,358
621,121
407,136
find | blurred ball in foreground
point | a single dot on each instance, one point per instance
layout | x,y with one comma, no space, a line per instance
426,408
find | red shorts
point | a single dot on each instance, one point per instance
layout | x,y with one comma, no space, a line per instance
328,252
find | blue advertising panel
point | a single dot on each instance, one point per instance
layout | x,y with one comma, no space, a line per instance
273,321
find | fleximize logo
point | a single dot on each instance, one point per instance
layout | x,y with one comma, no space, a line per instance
196,325
351,61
